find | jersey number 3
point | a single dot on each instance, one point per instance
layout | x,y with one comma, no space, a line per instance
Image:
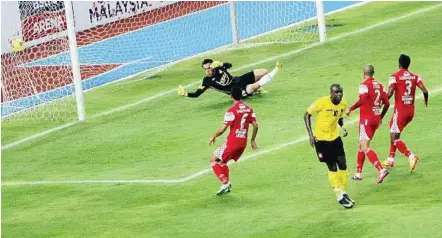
408,87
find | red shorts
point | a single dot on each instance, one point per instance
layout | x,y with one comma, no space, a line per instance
400,119
367,128
228,152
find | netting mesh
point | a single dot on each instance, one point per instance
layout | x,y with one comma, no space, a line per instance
277,22
28,89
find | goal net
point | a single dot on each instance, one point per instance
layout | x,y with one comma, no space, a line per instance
28,87
121,40
270,22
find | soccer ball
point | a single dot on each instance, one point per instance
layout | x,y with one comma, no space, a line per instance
17,45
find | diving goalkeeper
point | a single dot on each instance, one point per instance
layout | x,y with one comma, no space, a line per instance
218,78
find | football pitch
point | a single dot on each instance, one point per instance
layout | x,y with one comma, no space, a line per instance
143,171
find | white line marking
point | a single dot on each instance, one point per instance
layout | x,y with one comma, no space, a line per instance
18,142
236,69
192,176
137,103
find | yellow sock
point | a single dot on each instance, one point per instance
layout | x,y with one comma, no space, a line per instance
334,182
343,179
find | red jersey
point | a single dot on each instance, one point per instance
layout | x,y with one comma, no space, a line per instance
238,118
404,83
371,99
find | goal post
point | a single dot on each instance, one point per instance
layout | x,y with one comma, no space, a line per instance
79,98
233,21
321,21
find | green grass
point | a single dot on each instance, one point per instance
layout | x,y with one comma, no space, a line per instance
284,193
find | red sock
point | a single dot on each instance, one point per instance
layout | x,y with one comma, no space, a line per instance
402,147
226,171
360,162
392,150
219,172
373,157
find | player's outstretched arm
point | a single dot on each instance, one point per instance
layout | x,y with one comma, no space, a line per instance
425,92
308,125
197,93
219,132
362,99
254,133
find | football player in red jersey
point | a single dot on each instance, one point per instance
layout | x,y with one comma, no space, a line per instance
403,85
238,118
374,104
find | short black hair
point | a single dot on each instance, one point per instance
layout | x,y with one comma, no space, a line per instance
404,61
335,85
236,93
369,70
205,61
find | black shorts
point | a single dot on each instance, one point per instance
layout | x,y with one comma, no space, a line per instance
244,80
329,151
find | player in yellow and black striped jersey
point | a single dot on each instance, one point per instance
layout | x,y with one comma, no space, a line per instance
218,78
329,111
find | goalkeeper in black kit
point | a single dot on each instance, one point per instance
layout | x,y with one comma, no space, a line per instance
218,78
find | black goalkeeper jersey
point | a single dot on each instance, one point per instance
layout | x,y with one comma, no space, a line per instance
222,81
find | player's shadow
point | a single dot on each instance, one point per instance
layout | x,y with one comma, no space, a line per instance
229,200
392,188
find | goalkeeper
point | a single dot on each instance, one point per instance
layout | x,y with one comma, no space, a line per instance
218,78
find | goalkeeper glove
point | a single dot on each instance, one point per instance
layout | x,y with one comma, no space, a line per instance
181,91
216,64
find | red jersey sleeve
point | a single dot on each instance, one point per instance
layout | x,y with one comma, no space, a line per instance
229,118
363,97
253,117
420,82
392,82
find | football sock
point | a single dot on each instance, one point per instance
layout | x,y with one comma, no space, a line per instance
268,77
225,168
402,148
219,172
392,150
360,161
334,182
343,179
373,157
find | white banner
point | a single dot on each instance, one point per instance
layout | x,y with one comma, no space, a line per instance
90,14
